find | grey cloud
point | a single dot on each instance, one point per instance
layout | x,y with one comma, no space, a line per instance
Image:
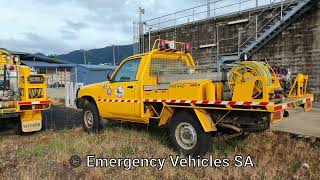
106,18
76,26
32,37
35,43
70,35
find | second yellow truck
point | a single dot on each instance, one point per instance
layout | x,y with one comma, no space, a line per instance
23,94
164,86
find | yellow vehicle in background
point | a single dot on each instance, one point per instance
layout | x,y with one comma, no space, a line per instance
164,86
22,93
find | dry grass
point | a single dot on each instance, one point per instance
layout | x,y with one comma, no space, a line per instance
46,155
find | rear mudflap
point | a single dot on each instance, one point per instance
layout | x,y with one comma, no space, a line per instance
31,121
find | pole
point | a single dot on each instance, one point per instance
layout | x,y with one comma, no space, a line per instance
141,34
208,8
114,57
149,39
84,57
281,10
134,37
256,28
239,41
214,10
76,75
218,63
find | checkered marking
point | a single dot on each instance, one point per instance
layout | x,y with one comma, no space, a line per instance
240,103
292,104
120,100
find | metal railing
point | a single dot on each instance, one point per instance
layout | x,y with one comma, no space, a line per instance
261,21
214,9
255,26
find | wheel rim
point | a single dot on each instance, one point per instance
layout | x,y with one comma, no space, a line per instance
88,119
186,135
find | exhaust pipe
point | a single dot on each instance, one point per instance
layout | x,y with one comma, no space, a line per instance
229,126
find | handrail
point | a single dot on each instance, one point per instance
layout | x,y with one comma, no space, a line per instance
270,20
247,29
193,13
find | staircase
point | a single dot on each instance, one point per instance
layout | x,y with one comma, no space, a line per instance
266,27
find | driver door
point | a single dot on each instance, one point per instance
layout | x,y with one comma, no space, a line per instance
123,90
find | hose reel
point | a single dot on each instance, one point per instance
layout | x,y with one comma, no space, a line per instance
251,68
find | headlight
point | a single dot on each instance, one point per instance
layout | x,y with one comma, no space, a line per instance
16,58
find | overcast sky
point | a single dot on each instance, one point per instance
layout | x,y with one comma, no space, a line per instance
61,26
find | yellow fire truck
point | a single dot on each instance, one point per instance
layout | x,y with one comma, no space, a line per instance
164,86
22,93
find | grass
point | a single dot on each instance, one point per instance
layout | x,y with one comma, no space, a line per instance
46,155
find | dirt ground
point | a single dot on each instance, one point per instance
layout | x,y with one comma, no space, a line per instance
46,154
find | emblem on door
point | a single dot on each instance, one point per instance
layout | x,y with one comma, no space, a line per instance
120,92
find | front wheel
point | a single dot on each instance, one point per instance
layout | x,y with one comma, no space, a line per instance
188,136
91,118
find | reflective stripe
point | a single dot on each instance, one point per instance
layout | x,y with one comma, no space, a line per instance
218,102
33,102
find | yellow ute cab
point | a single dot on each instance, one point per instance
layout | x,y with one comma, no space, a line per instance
164,86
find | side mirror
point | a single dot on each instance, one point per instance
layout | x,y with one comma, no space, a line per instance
109,76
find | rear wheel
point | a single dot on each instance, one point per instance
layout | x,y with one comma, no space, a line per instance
188,136
91,118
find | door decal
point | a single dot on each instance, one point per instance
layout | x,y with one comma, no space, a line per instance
109,91
120,92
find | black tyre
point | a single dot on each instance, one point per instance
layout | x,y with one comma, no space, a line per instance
91,118
187,135
18,129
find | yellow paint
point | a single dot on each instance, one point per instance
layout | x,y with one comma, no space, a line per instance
166,115
182,89
31,121
299,88
205,120
211,91
3,57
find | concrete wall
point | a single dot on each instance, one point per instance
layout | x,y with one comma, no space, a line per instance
298,47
